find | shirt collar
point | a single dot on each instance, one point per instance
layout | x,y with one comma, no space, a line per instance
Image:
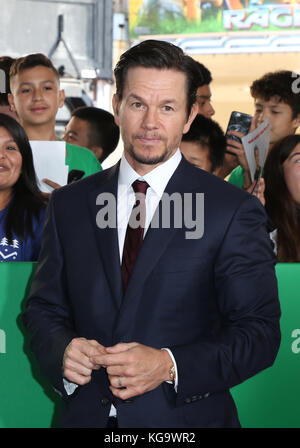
156,178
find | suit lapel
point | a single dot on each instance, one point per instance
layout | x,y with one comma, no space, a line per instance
107,238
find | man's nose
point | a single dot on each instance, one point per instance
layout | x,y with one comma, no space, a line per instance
150,119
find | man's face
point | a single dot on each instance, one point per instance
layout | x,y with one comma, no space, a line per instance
36,96
197,155
152,116
204,101
77,132
280,116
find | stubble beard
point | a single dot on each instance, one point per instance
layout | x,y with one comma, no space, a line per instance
154,160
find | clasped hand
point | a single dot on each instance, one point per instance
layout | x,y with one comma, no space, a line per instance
132,368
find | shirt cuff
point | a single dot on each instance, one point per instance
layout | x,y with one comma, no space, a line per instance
69,387
175,365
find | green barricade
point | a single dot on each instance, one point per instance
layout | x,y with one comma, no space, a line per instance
268,400
26,398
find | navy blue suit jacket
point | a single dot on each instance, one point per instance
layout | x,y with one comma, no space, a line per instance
213,301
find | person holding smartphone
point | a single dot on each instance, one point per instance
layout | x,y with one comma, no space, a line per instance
239,125
275,99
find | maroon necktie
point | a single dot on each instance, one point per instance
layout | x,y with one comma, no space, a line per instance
135,231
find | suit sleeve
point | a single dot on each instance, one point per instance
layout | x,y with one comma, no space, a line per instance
47,315
246,289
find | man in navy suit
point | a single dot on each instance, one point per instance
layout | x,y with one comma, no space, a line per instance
200,312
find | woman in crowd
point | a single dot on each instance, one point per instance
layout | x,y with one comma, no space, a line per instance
22,206
282,196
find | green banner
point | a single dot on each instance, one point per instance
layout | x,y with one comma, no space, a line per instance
271,398
268,400
26,398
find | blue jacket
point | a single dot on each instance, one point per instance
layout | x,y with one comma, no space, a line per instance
17,250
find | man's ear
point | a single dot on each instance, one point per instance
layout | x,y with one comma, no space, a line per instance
98,151
192,116
116,107
11,102
61,98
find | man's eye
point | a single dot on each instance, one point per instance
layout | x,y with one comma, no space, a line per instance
137,105
25,90
11,148
48,88
167,108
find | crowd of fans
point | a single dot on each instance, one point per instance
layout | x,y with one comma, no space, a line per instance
28,111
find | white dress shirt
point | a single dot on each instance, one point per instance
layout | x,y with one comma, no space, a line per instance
157,180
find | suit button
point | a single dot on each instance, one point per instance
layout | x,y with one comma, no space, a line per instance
188,400
206,395
105,401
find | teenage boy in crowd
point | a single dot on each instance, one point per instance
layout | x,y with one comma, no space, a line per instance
203,94
275,99
95,129
204,144
36,97
205,109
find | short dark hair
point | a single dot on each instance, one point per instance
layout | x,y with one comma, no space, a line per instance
208,132
277,84
103,130
31,61
5,65
280,205
159,55
27,199
204,76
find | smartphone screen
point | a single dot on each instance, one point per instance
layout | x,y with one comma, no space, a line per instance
240,122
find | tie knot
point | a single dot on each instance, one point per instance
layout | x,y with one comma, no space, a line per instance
140,186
